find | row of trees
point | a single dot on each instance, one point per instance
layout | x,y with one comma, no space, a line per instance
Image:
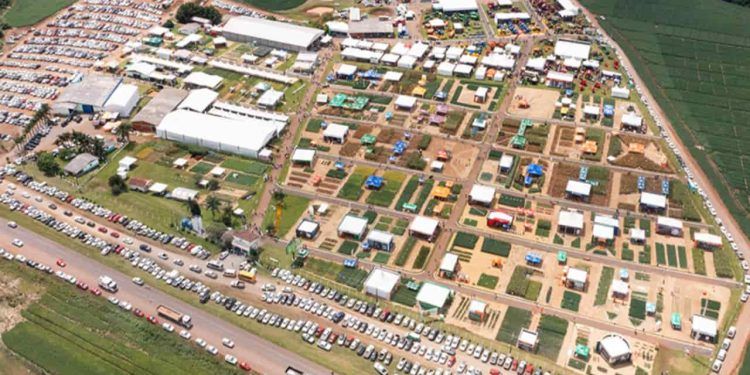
187,11
41,117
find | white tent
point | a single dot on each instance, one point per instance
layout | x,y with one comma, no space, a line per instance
620,92
199,100
217,171
270,98
123,100
201,79
653,200
336,132
578,188
449,6
537,64
570,219
668,222
708,239
637,235
433,296
381,283
571,48
407,62
127,162
632,120
406,102
353,226
449,262
482,194
424,226
603,232
446,69
704,326
183,194
305,156
393,76
620,288
577,278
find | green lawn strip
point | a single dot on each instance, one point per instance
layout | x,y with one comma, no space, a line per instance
202,168
424,194
515,319
381,257
247,166
348,247
404,295
352,189
637,308
496,247
405,251
570,301
725,263
488,281
661,258
292,207
313,126
671,255
552,331
421,258
605,281
682,256
384,196
353,277
520,284
407,193
699,261
465,240
242,179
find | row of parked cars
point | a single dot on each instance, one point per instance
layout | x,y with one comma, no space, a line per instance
444,354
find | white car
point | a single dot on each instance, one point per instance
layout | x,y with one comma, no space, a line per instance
138,281
16,242
212,349
227,342
168,327
12,224
185,334
230,359
200,342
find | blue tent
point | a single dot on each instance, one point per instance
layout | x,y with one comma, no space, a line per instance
339,165
609,110
527,180
399,147
350,263
533,258
534,170
374,182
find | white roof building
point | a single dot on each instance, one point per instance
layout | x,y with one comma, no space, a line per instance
653,200
570,219
449,6
577,276
199,100
123,100
527,339
381,283
449,262
157,188
511,16
346,70
570,48
301,155
578,188
405,102
603,232
707,239
183,194
247,136
637,234
632,120
423,225
500,61
446,69
353,226
407,62
620,92
393,76
615,347
201,79
380,237
270,98
620,287
432,296
463,70
704,326
537,63
506,161
127,162
217,171
664,221
454,52
270,33
607,220
482,194
336,131
554,75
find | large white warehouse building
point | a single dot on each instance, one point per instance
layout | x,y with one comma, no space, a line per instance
272,34
245,137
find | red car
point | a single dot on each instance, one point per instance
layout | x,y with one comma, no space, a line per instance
245,366
103,229
60,263
115,234
96,291
137,312
152,319
82,286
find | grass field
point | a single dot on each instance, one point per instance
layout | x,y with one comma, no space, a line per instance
274,5
570,301
552,331
292,208
386,194
71,332
693,64
602,290
514,320
488,281
29,12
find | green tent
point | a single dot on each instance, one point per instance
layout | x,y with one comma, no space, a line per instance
368,139
582,351
562,257
676,321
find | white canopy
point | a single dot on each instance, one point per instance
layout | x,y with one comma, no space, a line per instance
553,75
704,325
615,346
157,188
578,188
604,232
653,200
346,70
620,287
631,119
506,161
570,219
637,234
308,226
433,295
302,155
353,225
707,238
380,237
393,76
481,193
423,225
203,80
668,222
127,162
477,306
576,275
183,194
536,63
336,131
381,283
217,171
449,262
570,48
405,101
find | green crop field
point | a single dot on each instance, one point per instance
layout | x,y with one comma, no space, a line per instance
694,63
514,320
274,5
28,12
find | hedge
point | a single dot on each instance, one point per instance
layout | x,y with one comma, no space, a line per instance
421,259
408,192
465,240
424,142
403,254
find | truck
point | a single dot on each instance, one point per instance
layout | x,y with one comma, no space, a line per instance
175,316
106,283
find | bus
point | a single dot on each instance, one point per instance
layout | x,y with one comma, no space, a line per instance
248,276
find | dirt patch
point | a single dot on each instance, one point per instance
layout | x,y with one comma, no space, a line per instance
12,301
381,12
319,11
541,102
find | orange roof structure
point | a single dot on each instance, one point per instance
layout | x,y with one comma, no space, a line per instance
637,148
441,192
590,147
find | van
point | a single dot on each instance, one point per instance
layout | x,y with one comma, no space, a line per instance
216,265
230,273
731,332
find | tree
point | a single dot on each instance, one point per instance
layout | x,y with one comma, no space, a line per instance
123,131
46,163
194,208
97,149
187,11
213,184
226,215
214,232
213,204
117,184
169,24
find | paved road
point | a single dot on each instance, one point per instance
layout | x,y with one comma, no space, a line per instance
735,357
273,361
